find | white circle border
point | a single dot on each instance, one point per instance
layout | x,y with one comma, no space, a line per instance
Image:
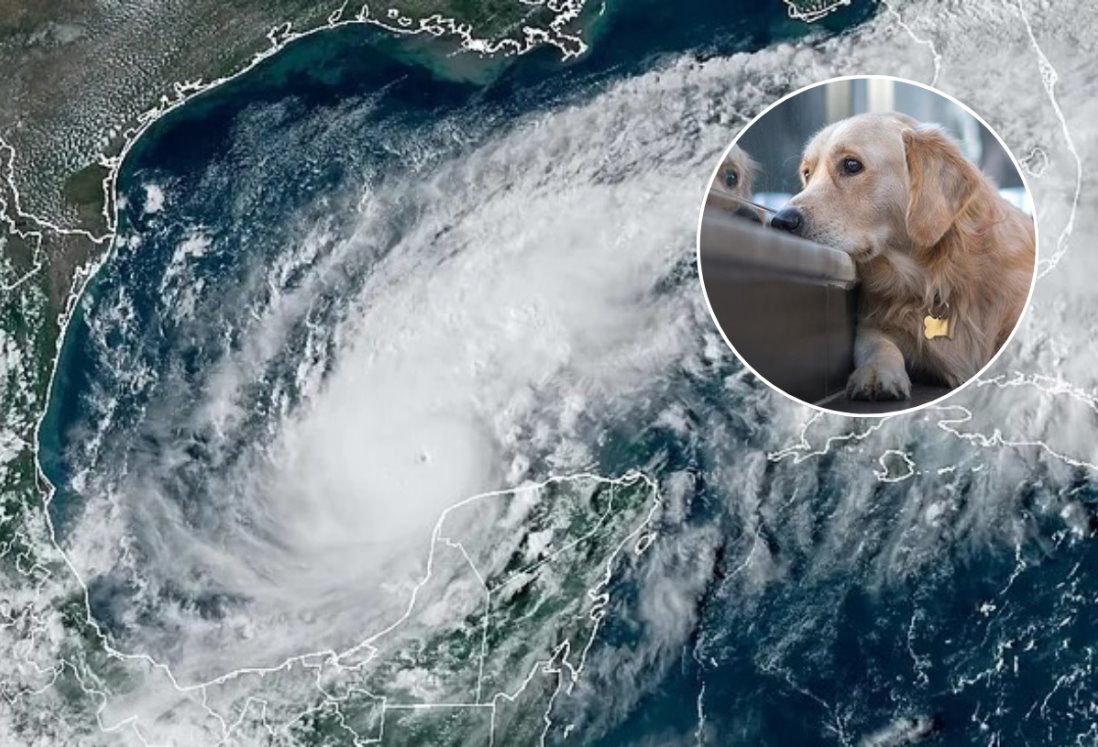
1033,217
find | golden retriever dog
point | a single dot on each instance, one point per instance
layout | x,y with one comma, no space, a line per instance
945,263
734,178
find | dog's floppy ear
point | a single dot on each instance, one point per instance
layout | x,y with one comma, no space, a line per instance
942,183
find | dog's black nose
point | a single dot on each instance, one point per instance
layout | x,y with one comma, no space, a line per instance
788,219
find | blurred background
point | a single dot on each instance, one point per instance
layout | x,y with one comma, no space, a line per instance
777,139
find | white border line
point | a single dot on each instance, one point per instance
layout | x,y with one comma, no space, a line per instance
1032,282
280,36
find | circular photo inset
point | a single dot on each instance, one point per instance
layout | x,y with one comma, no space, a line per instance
867,245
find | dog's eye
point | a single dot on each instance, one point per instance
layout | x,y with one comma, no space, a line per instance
731,178
805,174
851,166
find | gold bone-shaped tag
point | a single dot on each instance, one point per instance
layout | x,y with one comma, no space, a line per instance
934,327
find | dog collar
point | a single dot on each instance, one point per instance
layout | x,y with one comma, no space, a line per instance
939,322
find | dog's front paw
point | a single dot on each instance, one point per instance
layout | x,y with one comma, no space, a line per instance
877,381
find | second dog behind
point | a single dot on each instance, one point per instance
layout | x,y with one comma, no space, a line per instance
733,180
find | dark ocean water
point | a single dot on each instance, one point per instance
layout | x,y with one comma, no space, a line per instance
323,114
826,656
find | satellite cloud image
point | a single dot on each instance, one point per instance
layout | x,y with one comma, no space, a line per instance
357,387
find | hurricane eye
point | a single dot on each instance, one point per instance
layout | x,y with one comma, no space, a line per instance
731,178
851,165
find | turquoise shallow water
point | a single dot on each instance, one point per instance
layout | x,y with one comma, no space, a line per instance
822,654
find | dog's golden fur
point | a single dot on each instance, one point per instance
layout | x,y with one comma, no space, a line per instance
742,169
930,234
735,178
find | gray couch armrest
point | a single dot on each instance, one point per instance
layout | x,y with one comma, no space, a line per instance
788,306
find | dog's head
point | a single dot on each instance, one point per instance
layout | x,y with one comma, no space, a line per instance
879,182
734,177
736,173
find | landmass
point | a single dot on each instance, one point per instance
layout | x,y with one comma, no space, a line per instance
81,82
